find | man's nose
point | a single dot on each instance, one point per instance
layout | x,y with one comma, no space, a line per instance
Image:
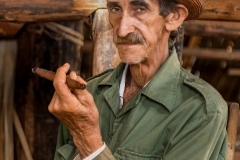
126,26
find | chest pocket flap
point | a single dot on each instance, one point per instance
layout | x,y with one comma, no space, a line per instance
67,151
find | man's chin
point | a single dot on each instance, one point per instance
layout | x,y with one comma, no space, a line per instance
131,54
132,60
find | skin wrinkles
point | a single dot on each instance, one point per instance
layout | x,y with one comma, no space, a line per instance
137,3
141,18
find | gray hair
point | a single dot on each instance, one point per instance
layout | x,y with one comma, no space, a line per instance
166,6
176,37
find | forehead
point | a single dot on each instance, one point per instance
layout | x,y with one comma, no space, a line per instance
121,2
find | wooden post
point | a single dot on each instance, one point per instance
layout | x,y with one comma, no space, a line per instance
105,54
1,107
232,125
8,52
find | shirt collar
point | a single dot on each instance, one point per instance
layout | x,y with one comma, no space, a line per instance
114,76
162,87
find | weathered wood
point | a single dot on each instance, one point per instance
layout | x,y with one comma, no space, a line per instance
233,72
50,10
33,93
47,10
105,52
8,54
193,42
21,135
8,29
1,107
212,28
24,99
221,10
219,54
233,116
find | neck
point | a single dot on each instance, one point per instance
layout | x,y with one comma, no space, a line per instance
138,76
141,73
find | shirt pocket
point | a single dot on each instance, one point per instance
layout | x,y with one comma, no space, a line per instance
67,151
122,154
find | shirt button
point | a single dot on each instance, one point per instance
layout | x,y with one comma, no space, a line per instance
98,90
191,79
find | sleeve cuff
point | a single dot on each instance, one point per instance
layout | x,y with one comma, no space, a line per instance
93,155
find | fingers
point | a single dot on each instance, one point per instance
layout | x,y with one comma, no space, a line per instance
67,97
84,97
59,82
74,76
52,105
82,94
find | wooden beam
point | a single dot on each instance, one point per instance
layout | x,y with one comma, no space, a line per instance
212,28
218,54
52,10
221,10
47,10
234,72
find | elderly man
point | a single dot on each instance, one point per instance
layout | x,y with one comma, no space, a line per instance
148,107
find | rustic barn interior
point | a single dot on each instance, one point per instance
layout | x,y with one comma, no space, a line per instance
49,33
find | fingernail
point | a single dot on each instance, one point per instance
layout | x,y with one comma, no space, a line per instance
66,64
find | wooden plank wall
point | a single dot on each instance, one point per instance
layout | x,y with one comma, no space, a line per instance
33,93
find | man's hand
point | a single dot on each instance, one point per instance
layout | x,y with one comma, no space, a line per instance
77,110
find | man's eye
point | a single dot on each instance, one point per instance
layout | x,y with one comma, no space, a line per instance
114,10
140,9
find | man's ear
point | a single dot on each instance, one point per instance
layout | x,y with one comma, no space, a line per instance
176,18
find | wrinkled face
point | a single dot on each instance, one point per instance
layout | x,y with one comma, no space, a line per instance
137,28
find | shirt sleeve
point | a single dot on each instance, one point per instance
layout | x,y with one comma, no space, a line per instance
106,154
65,148
93,155
204,138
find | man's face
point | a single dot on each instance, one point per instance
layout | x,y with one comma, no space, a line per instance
137,28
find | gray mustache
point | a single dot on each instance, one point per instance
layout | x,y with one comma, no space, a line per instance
132,38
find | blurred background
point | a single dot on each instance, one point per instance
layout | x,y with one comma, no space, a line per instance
50,33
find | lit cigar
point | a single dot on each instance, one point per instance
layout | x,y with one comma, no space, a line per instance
50,76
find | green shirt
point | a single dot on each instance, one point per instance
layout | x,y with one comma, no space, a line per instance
175,117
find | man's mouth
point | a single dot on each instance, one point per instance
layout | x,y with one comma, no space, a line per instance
130,39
